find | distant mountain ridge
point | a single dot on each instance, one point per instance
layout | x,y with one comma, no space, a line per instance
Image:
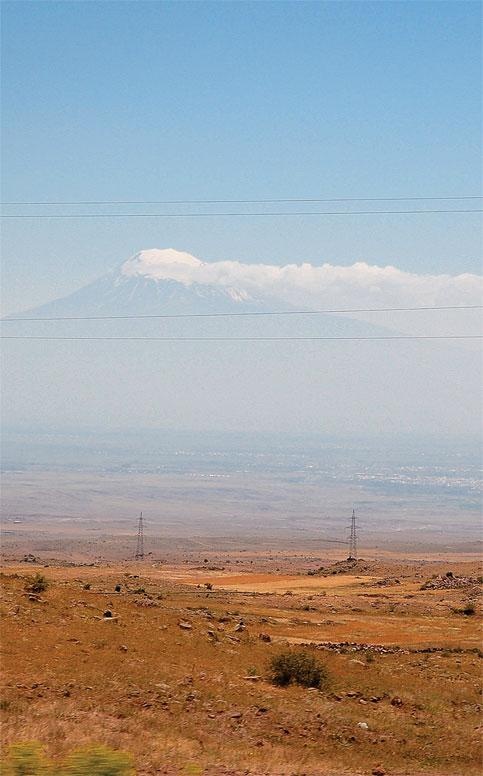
239,372
125,291
158,282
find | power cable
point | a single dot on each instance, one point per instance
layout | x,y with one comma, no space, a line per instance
251,339
48,203
237,215
241,314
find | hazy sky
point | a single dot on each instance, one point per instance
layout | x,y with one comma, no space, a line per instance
121,100
174,100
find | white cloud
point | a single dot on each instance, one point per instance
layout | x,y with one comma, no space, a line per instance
304,284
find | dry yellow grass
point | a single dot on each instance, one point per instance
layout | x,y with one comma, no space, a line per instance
179,698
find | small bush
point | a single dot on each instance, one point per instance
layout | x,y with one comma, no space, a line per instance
97,761
26,759
38,584
297,668
117,589
469,609
191,769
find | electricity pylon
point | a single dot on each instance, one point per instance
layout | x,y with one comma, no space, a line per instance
353,538
140,541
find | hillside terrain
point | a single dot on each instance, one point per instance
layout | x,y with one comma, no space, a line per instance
171,663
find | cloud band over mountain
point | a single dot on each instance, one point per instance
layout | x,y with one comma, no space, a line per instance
357,285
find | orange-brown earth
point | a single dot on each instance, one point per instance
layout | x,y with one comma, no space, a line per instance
196,698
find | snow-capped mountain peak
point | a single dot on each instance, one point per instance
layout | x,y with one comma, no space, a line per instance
162,264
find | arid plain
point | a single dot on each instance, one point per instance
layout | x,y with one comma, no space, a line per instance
178,675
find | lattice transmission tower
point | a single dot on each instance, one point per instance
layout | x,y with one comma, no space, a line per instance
353,538
140,540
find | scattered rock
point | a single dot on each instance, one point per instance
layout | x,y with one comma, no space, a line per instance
379,771
145,602
107,613
387,582
185,625
252,678
123,648
447,582
363,725
396,702
236,715
264,637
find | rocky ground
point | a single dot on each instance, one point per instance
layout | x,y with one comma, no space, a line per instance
172,664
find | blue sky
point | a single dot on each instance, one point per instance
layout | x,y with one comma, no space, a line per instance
122,100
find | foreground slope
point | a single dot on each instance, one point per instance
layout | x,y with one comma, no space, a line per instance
178,674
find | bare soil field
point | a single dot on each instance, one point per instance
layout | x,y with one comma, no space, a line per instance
179,674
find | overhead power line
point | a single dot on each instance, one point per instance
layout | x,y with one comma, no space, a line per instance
250,339
280,200
238,215
241,314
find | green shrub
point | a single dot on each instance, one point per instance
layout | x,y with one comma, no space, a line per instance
468,609
97,761
38,584
297,668
26,759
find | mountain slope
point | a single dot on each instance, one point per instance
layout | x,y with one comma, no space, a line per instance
125,291
154,282
327,386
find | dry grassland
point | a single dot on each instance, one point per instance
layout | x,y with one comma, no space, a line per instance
194,697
